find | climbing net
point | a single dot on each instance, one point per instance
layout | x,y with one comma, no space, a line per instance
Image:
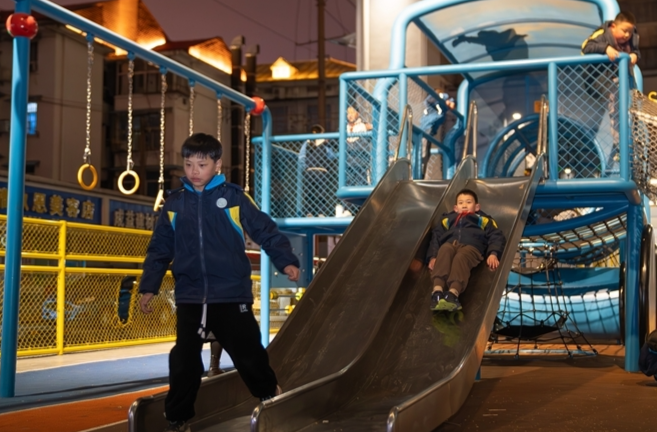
538,306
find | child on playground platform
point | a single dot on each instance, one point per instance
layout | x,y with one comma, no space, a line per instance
614,37
458,244
201,229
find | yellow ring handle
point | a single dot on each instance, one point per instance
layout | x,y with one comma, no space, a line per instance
159,200
122,177
94,176
652,96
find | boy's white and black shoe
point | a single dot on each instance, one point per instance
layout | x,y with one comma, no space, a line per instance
179,426
436,298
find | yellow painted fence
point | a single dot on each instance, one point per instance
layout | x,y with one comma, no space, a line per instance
70,291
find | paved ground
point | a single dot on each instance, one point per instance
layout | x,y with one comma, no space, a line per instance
553,393
532,393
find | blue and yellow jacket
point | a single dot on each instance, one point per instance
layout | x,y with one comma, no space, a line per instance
474,229
600,39
203,234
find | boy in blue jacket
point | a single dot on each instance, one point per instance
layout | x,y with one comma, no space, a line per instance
201,229
461,241
614,37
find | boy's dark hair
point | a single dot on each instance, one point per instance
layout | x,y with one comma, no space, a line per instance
467,192
627,17
201,144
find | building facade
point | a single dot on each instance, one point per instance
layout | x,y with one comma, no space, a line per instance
59,63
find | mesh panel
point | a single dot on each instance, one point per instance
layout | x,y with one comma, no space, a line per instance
360,143
588,121
434,168
106,241
37,237
643,115
35,330
304,178
92,312
100,309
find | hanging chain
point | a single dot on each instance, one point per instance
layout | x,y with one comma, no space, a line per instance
131,75
162,130
192,96
219,118
247,144
90,64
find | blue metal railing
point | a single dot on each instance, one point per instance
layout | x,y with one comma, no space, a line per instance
386,77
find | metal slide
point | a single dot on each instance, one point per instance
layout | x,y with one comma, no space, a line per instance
343,309
361,340
420,366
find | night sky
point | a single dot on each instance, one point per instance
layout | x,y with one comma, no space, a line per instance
275,25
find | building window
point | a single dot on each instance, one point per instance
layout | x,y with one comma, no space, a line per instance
279,120
145,131
32,118
147,79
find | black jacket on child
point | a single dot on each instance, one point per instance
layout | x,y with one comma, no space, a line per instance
600,39
474,229
203,234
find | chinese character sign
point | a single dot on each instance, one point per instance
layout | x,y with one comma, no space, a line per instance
55,204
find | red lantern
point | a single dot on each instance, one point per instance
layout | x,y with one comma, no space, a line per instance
259,106
22,24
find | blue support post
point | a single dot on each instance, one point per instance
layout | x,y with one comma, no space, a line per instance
16,185
265,261
403,97
623,118
342,139
418,148
310,256
632,343
553,122
380,143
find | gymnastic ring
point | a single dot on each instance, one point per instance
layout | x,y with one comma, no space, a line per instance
159,200
122,177
94,176
652,96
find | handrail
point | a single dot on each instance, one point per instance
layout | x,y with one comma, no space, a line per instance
541,140
471,131
407,126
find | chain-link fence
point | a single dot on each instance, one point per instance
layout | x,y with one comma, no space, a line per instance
304,178
643,115
588,136
99,303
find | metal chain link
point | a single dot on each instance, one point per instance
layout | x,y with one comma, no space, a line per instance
90,63
192,96
162,130
219,118
131,74
247,143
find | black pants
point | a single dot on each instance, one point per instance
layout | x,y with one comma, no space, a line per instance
236,329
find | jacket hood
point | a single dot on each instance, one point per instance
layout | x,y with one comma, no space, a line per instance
216,181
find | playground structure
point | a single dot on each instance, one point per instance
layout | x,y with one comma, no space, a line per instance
579,209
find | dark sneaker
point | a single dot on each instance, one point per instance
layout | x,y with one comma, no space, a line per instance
450,302
277,392
180,426
436,297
